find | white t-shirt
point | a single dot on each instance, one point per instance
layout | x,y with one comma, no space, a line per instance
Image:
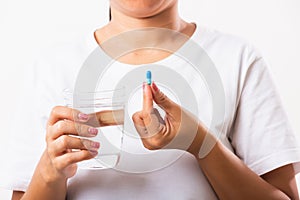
255,125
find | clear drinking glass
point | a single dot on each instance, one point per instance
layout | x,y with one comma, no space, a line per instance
106,113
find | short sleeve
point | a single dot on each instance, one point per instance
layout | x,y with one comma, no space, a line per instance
261,135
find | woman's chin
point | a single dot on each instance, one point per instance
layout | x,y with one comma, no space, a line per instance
144,9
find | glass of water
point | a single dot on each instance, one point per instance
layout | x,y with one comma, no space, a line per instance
106,113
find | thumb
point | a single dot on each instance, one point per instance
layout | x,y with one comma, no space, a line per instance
161,99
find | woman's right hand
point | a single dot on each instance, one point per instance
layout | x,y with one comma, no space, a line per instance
63,149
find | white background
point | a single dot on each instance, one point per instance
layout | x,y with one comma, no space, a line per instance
28,27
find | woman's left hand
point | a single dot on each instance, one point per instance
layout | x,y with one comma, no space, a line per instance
178,130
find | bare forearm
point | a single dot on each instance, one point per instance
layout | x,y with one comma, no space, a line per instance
43,188
232,179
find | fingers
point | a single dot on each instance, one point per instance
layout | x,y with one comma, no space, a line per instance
147,104
148,122
64,127
61,112
65,143
155,132
59,141
155,126
157,123
66,160
106,118
64,149
155,135
147,98
162,100
139,124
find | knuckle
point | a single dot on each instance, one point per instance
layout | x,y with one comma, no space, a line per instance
55,110
69,160
51,154
162,97
64,141
74,112
59,165
157,142
84,155
84,143
48,135
79,156
154,148
162,129
148,144
150,147
135,117
78,128
145,115
60,126
51,151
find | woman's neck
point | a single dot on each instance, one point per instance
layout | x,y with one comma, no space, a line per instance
168,18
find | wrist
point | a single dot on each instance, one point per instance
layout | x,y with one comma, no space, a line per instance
203,143
198,140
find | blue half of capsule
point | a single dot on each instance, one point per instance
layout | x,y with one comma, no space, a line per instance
149,77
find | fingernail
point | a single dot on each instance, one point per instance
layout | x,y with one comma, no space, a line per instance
94,153
154,86
93,131
144,85
95,145
83,117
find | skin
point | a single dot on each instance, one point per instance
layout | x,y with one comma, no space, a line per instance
222,168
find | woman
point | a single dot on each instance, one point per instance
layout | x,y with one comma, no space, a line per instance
261,166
